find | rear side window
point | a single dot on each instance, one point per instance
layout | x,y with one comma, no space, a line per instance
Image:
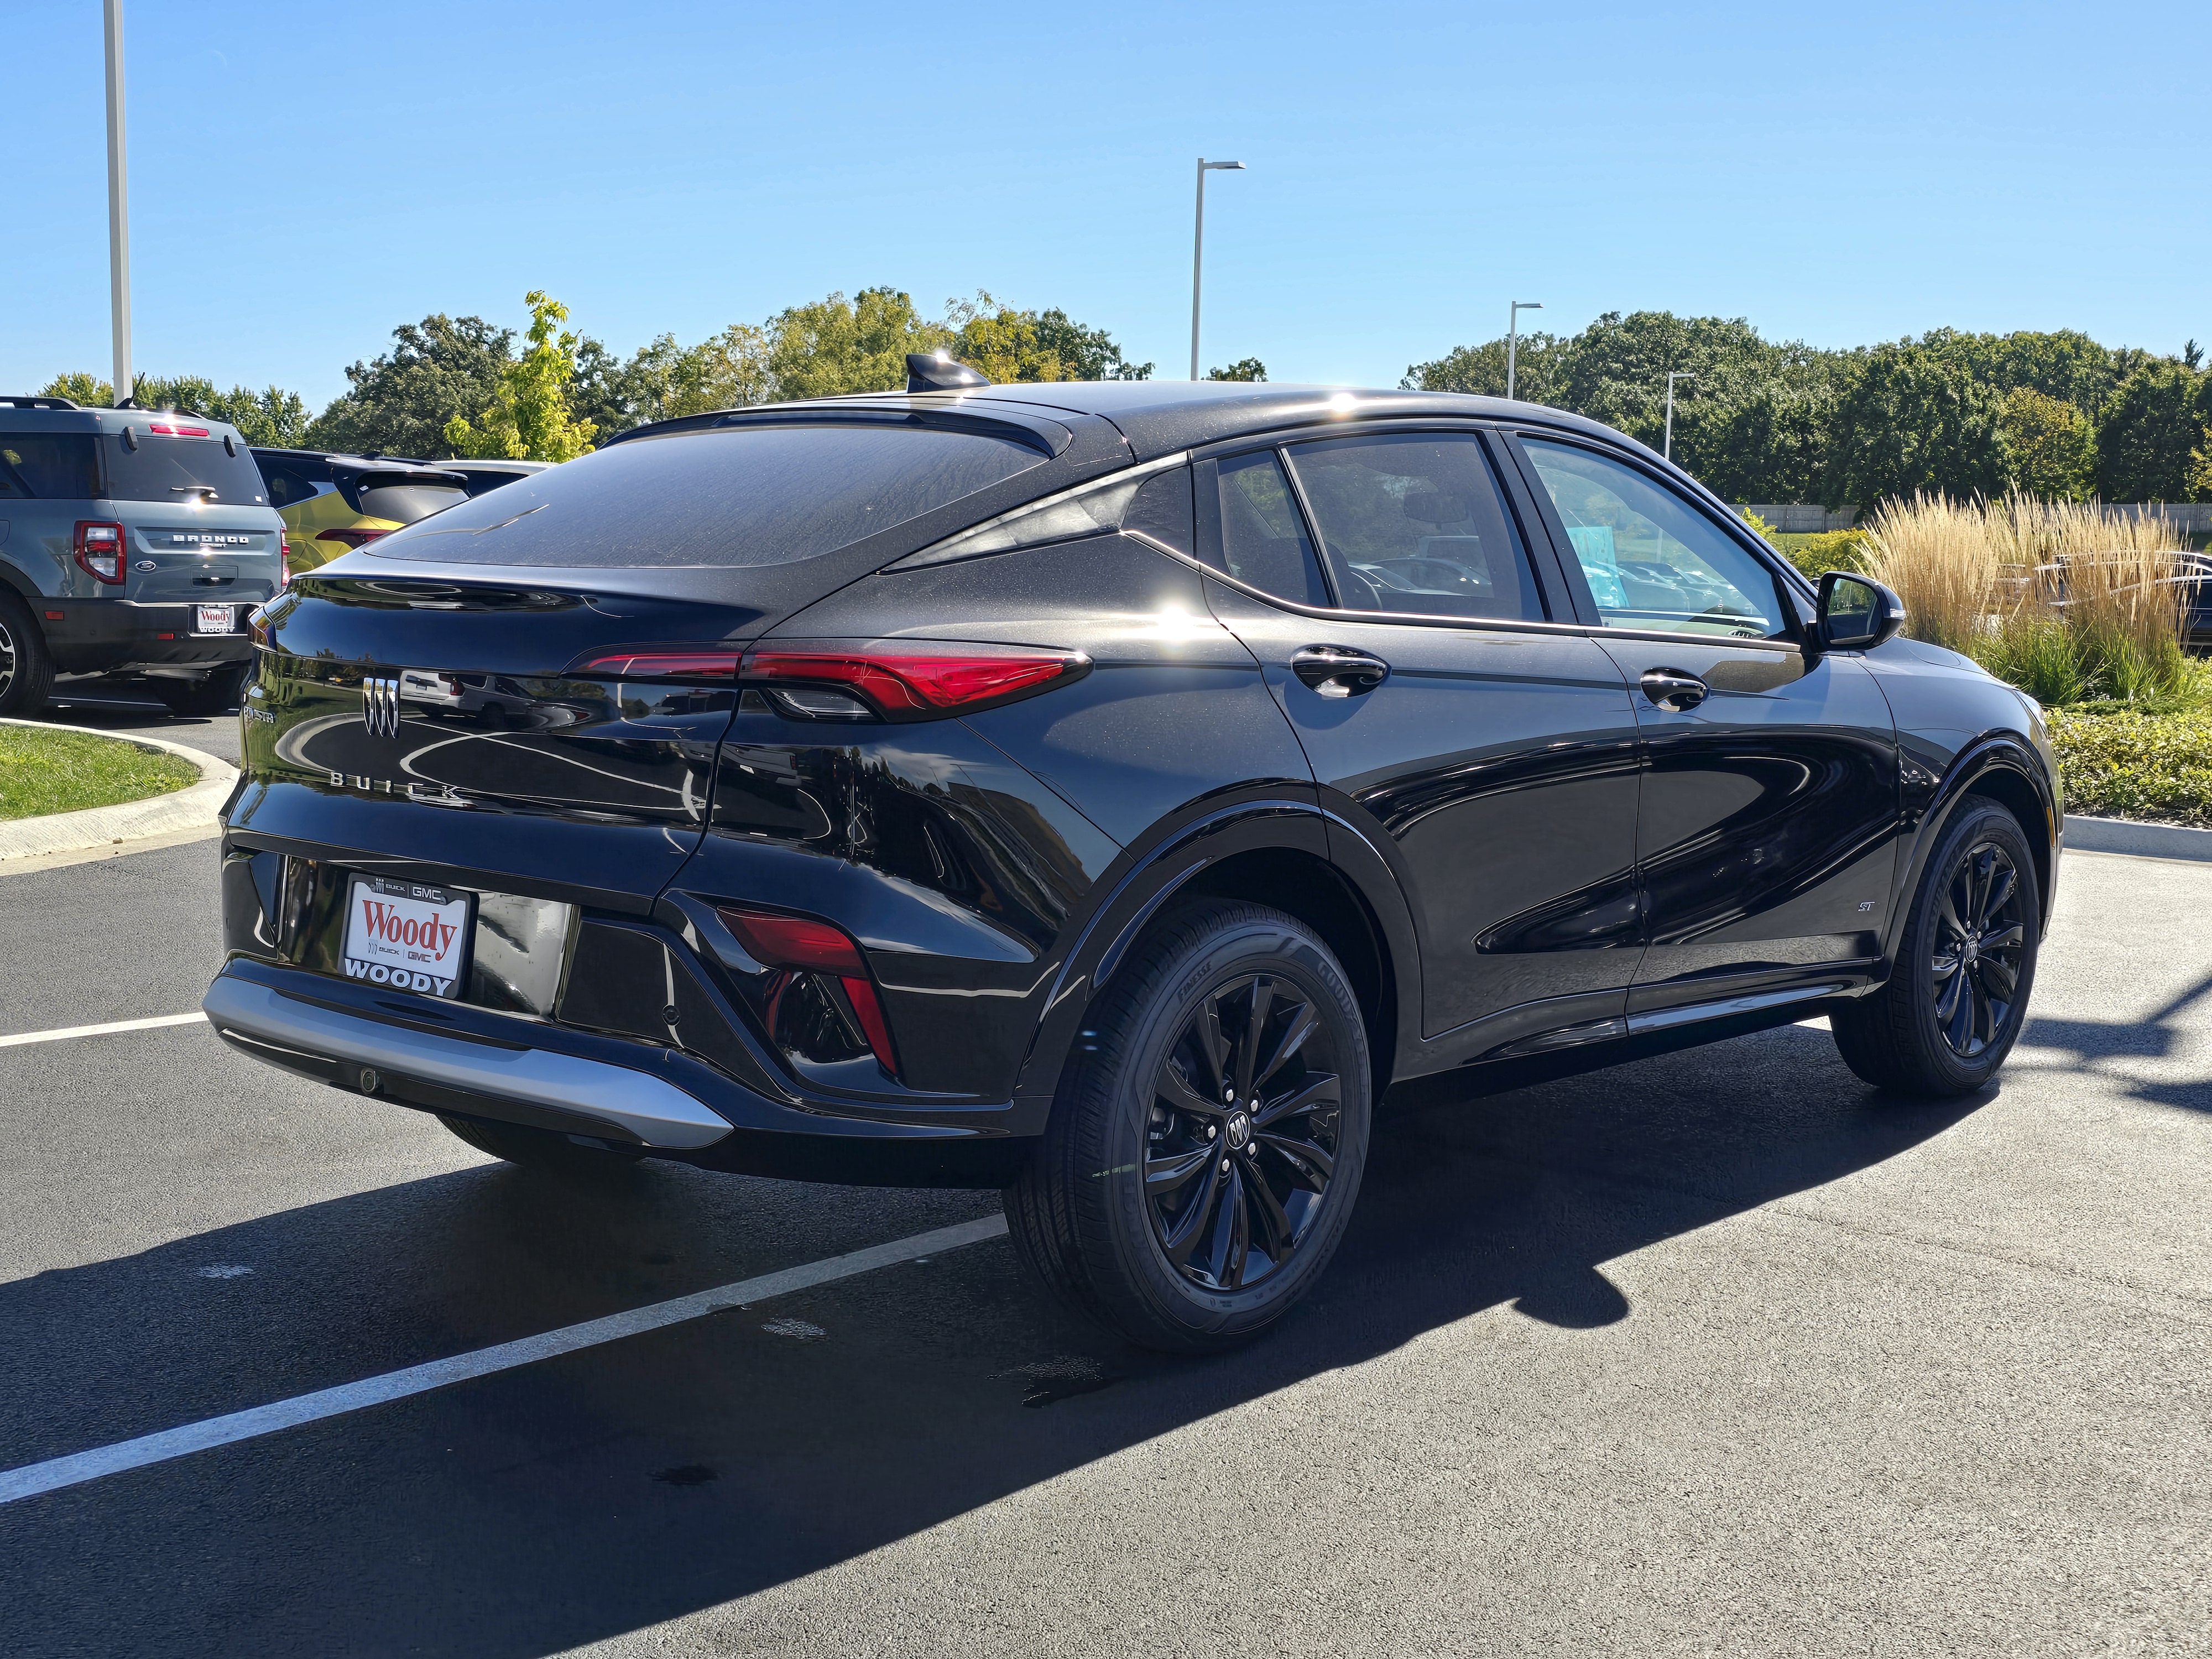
1414,522
728,498
1652,560
1263,535
48,466
176,470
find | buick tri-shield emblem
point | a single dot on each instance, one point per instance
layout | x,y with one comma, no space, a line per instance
379,708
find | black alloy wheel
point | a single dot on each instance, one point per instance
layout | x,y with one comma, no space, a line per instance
1208,1140
1242,1144
1957,989
1980,936
26,669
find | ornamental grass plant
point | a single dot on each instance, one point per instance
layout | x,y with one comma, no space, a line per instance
2071,601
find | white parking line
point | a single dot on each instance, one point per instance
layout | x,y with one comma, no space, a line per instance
67,1031
78,1467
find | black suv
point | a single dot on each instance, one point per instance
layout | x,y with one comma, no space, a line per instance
1107,791
132,544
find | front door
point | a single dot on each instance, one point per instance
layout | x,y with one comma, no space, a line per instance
1767,830
1490,757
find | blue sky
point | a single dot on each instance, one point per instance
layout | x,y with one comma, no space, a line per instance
306,177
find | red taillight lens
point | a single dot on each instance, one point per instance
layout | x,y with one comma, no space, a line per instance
171,429
357,536
98,547
283,564
913,681
818,947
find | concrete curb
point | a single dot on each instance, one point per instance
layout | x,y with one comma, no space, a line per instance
2142,841
178,815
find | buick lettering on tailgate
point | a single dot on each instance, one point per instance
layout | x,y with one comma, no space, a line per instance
407,935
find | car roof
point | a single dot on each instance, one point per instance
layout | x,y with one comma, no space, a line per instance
1160,417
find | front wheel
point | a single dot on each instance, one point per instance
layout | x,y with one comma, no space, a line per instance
1208,1136
1966,963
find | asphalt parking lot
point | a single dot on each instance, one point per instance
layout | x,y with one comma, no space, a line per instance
1716,1354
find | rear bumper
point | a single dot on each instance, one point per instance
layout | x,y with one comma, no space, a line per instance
101,635
461,1060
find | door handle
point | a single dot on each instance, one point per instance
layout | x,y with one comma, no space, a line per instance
1338,670
1672,690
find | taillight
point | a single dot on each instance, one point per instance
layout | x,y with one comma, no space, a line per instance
802,944
876,679
283,563
99,547
357,536
171,429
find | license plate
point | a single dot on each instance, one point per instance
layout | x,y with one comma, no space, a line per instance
213,619
407,935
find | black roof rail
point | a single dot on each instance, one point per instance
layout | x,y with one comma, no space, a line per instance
28,402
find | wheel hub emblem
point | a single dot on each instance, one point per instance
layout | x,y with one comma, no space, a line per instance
1240,1131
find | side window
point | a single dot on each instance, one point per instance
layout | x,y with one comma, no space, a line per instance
1263,535
289,485
1414,522
47,466
1652,560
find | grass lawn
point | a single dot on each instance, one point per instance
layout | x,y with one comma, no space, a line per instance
43,772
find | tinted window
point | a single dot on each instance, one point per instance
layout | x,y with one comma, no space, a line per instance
1652,560
384,497
47,466
728,499
175,469
1263,535
290,482
1414,523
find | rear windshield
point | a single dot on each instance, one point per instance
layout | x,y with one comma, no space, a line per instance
179,469
47,466
382,496
722,499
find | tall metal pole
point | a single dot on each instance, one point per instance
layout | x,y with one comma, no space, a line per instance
1678,374
1197,265
1198,248
118,206
1513,337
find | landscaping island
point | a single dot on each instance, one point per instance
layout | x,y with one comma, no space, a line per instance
44,771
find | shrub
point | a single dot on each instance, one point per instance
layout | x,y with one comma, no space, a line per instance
2125,763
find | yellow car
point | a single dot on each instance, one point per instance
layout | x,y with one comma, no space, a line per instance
331,504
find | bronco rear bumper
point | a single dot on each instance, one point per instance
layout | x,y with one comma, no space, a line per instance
100,635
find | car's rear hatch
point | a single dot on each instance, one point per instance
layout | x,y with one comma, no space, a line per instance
191,500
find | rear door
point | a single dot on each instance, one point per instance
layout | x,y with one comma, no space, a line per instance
1766,833
1489,754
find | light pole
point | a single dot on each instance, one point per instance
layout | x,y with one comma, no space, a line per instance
1513,337
118,206
1198,248
1678,374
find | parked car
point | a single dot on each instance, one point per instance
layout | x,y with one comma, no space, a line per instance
133,543
481,475
1108,791
331,504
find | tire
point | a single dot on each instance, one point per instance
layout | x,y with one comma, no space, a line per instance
1943,1024
212,695
538,1149
1124,1210
27,667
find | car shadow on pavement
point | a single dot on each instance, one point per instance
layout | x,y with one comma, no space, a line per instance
614,1489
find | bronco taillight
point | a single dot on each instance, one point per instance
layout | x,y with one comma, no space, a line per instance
99,546
802,944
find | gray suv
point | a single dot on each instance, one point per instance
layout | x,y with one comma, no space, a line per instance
133,543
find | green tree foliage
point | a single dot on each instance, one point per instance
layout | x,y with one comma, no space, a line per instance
529,417
2156,421
271,418
1913,420
833,346
1085,353
1244,368
1770,445
2049,447
400,403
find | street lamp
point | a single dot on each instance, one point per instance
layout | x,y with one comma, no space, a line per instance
118,206
1678,374
1198,248
1513,336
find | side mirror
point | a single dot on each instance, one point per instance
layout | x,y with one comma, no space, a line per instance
1856,614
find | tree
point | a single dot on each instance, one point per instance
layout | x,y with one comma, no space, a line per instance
1771,446
529,417
1481,370
400,403
80,387
2049,447
1086,353
833,346
1244,368
1913,420
2157,418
